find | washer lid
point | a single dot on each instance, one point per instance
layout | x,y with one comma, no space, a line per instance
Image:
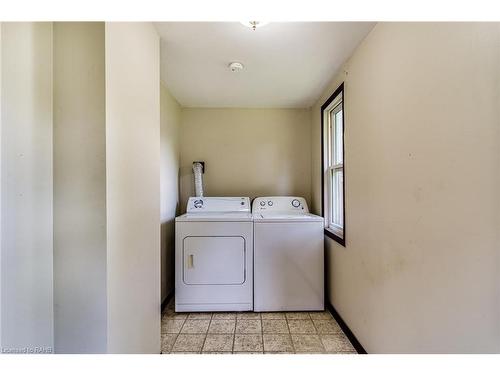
285,217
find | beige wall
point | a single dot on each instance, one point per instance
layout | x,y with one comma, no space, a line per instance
133,187
79,188
170,113
248,152
420,272
0,184
26,178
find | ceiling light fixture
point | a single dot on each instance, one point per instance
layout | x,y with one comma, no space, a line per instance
253,24
235,66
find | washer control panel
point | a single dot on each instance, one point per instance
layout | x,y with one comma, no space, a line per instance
281,204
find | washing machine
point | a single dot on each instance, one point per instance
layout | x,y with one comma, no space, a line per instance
288,255
214,255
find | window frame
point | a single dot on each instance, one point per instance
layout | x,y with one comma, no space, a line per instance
327,168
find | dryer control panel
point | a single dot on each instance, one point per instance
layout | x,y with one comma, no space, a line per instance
280,204
218,204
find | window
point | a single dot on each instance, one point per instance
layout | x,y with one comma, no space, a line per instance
332,124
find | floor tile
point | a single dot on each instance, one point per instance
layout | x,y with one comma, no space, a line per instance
170,308
327,326
320,315
307,344
273,315
202,316
248,352
188,343
171,326
167,342
248,326
247,343
277,343
218,343
216,352
337,344
172,315
195,326
288,352
301,326
167,310
297,315
222,326
248,315
181,352
224,316
274,326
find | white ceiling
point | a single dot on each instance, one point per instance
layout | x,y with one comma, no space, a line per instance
287,64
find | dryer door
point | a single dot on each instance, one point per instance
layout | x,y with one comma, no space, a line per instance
214,260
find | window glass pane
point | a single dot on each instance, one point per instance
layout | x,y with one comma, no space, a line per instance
338,138
331,138
337,194
332,196
341,196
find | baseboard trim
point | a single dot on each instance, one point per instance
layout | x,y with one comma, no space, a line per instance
167,299
354,341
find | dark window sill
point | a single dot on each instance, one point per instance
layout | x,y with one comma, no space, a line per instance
334,237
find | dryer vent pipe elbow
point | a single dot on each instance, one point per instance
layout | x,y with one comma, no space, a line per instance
198,179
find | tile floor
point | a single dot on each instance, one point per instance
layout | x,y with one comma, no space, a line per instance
251,333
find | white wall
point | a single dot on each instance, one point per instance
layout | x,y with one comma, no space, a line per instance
169,186
133,187
420,273
248,152
26,177
79,188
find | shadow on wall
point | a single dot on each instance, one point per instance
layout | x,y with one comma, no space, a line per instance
168,249
178,209
167,257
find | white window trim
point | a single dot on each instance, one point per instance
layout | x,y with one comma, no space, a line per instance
329,168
